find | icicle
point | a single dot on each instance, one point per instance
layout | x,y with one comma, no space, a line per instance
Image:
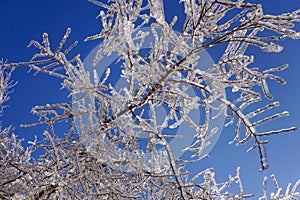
62,42
46,41
278,131
267,119
264,187
287,191
263,157
276,69
296,35
107,73
157,11
272,47
96,77
266,89
295,187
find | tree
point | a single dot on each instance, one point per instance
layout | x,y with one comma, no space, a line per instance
101,156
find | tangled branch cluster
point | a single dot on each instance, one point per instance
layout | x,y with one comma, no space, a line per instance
99,157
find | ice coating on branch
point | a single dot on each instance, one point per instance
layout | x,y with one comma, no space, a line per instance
157,11
118,143
272,47
296,35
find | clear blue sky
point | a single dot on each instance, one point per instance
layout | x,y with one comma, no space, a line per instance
22,21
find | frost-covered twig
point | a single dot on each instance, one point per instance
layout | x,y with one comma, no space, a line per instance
100,156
